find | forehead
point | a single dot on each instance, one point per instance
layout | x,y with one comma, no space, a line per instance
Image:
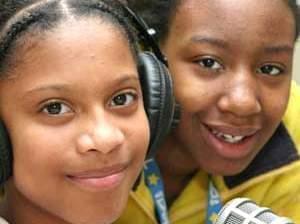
70,53
77,36
77,30
228,8
84,44
230,17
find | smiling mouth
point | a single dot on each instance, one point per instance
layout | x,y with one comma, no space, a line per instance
99,180
228,138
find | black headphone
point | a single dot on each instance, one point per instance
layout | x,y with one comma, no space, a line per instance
162,111
157,86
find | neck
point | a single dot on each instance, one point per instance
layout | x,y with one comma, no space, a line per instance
177,168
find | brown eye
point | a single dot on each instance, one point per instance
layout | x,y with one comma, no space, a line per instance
55,108
271,70
210,63
123,99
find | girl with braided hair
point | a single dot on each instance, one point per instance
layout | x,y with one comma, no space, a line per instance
231,62
72,107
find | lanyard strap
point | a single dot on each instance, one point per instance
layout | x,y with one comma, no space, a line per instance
155,184
214,203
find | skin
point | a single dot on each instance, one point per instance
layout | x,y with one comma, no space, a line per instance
231,63
77,163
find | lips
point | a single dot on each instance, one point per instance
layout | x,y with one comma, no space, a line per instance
232,130
230,142
227,137
106,178
232,135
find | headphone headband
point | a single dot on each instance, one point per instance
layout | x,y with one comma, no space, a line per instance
145,33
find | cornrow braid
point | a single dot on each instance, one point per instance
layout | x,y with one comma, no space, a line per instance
20,23
12,7
28,16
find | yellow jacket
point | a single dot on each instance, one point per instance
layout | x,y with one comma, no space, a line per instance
272,180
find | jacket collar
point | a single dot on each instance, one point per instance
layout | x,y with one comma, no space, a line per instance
278,152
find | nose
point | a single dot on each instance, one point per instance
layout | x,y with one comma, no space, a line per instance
102,135
240,96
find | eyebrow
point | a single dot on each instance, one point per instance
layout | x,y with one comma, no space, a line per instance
285,48
56,87
209,40
126,78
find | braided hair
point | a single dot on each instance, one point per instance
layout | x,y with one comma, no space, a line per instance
20,17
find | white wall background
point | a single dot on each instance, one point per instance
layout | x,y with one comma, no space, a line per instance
296,73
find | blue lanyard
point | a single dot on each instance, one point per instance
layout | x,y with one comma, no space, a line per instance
214,203
155,184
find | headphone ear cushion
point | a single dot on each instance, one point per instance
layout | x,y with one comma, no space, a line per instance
158,97
5,155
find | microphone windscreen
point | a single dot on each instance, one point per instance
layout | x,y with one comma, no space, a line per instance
245,211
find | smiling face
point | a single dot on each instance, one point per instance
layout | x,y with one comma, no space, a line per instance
231,62
69,107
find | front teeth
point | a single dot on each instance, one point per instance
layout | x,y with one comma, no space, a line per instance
227,137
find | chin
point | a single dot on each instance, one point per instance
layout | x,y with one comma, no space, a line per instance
107,216
227,169
98,212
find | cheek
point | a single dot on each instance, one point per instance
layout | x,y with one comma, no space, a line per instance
195,96
36,168
274,104
37,153
137,133
140,135
194,91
